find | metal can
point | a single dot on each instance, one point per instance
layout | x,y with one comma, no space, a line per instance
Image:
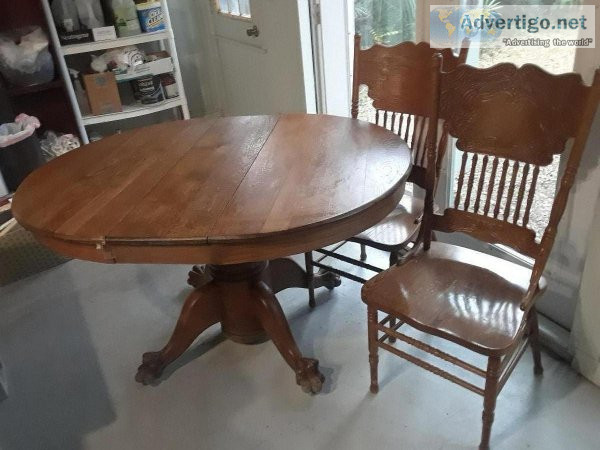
148,89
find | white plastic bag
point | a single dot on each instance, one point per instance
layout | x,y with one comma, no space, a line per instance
26,62
20,129
121,59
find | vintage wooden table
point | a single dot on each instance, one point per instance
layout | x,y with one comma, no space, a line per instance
237,194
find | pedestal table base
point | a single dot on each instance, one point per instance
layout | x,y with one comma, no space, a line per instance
242,298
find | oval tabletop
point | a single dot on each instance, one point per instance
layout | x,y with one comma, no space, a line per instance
216,190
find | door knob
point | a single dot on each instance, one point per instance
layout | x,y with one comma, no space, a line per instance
253,31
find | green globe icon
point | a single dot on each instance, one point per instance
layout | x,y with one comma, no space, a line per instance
445,26
451,24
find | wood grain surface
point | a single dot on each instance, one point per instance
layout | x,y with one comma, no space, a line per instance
216,190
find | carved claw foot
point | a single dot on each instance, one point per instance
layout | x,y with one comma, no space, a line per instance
198,277
308,376
151,368
329,280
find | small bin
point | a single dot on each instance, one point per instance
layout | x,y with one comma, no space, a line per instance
20,159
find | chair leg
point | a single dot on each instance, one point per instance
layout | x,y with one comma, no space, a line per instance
363,252
310,274
373,356
393,261
534,340
393,258
489,400
392,339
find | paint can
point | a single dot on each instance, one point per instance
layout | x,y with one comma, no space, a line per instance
148,89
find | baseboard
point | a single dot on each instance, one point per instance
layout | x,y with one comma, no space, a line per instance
555,338
588,366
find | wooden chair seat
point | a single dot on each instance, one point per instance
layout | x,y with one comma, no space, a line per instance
397,229
459,294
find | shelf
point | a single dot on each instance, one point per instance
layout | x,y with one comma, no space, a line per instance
114,43
130,111
24,90
158,67
122,78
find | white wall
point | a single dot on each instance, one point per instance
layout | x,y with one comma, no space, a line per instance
189,31
586,332
569,254
186,28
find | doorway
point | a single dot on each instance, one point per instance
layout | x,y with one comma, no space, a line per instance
263,56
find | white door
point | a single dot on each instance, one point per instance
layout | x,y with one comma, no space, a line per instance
264,53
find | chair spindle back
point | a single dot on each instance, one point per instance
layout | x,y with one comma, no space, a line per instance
509,122
402,85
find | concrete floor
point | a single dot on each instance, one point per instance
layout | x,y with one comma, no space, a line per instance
72,337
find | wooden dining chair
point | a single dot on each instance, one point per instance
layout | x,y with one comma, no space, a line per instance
509,122
398,80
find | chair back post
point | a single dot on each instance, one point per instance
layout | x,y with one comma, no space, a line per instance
464,51
431,149
449,62
562,196
355,77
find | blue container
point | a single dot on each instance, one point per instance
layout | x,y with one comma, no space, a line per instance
151,16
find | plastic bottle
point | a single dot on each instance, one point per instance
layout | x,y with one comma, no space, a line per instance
125,16
151,16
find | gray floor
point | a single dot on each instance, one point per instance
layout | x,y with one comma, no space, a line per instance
72,337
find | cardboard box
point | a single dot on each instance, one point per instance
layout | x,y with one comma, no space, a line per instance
102,93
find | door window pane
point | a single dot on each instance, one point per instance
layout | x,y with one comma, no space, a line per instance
234,8
244,8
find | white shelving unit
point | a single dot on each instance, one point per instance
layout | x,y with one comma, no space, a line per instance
74,49
167,42
135,110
